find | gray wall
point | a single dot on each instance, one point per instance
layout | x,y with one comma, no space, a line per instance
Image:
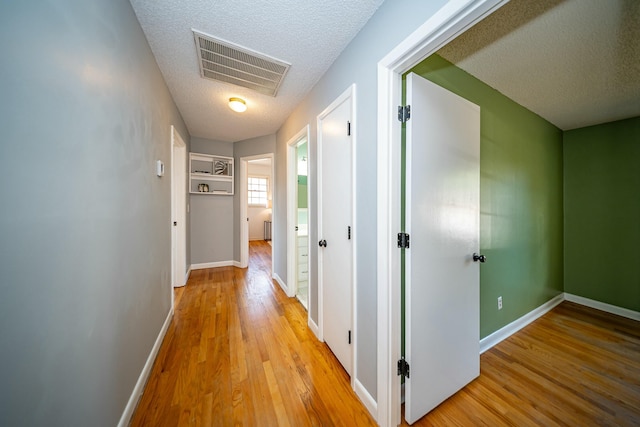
215,220
249,147
212,216
393,22
84,220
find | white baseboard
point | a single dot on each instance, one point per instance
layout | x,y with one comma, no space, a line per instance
314,328
186,276
505,332
237,264
144,375
366,398
283,285
603,306
213,265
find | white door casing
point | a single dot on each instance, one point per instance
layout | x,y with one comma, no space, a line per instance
453,19
292,204
336,195
244,204
178,210
442,281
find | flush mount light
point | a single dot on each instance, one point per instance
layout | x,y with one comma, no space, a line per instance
238,105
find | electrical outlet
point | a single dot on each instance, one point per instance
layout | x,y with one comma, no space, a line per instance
499,303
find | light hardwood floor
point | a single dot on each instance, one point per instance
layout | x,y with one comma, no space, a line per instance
238,352
575,366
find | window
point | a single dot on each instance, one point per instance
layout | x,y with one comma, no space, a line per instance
258,191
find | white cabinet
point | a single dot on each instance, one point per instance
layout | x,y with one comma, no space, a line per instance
209,174
303,259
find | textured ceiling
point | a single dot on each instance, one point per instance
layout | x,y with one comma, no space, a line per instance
307,34
574,62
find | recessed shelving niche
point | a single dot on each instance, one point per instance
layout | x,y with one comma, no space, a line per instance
210,174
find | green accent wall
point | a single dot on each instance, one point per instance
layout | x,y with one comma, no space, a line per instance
302,191
602,212
301,153
521,199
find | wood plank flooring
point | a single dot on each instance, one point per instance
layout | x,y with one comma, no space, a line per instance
575,366
239,352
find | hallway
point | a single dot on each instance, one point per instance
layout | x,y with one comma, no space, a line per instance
239,352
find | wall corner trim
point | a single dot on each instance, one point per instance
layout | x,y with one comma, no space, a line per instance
214,264
188,273
283,285
506,331
366,398
314,328
603,306
125,419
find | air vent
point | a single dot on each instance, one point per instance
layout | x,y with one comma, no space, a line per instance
223,61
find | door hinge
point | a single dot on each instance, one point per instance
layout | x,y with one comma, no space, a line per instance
349,337
404,113
403,368
348,128
349,232
403,240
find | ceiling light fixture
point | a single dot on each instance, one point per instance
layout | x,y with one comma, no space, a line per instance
238,105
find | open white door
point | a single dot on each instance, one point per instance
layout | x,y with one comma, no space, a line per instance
442,219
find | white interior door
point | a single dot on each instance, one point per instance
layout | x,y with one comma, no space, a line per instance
334,227
442,219
178,208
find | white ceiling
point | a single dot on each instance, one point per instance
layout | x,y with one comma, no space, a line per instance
307,34
574,62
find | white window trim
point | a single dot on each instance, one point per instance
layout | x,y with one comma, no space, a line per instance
259,205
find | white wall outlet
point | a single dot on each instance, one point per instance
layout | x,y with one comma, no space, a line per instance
499,303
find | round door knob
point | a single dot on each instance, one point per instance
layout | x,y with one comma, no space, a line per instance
480,258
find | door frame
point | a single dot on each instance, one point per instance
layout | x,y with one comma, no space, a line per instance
178,211
292,204
453,19
244,207
348,94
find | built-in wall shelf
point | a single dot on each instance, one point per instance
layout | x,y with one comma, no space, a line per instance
210,174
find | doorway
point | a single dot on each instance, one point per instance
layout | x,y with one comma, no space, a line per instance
451,20
256,202
179,274
298,217
336,228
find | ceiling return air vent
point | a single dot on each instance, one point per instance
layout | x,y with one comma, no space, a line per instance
225,62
